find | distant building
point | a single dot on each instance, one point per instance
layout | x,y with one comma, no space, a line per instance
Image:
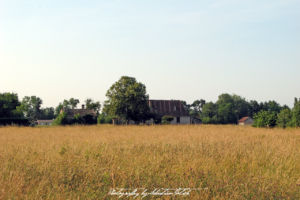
196,120
170,108
82,112
44,121
246,121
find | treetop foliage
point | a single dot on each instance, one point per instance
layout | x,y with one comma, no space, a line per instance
127,99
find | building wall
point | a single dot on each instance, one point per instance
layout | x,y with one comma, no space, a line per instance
185,120
45,123
249,122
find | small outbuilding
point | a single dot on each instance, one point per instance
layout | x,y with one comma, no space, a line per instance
44,121
246,121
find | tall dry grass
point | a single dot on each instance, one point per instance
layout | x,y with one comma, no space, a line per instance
84,162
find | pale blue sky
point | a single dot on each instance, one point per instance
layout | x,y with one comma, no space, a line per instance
183,50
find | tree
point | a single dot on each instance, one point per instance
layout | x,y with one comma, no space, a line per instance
241,107
209,110
265,119
30,106
66,104
198,105
274,106
8,104
90,104
69,104
61,119
186,106
225,98
226,113
254,107
127,99
47,113
58,109
284,118
285,107
296,102
104,119
73,103
295,121
225,107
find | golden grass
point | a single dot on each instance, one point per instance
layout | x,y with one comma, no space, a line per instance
84,162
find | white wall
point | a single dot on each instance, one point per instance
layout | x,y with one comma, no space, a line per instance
183,120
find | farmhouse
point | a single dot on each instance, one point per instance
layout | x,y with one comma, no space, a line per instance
246,121
44,121
170,108
82,112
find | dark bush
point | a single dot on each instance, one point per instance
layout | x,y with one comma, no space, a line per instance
166,119
89,119
16,121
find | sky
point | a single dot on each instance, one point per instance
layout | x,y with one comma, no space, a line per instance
181,50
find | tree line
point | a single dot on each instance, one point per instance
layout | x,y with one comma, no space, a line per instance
128,100
30,107
228,109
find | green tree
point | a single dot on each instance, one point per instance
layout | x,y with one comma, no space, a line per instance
254,107
225,107
241,107
8,104
104,119
226,114
58,109
61,119
209,110
274,106
30,106
90,104
295,121
73,103
296,102
127,99
284,118
69,104
198,105
225,98
265,119
47,113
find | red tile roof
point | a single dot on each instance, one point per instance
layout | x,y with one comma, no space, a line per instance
243,119
168,107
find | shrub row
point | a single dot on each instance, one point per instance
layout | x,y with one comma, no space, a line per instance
12,121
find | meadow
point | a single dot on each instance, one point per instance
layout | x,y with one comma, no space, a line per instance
85,162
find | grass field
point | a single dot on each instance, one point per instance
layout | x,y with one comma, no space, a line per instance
85,162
